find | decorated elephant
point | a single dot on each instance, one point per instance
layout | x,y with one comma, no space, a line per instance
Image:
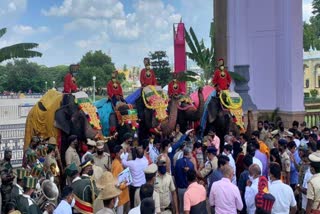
61,115
218,115
188,112
122,118
153,112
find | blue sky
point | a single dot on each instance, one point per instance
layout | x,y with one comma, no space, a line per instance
125,29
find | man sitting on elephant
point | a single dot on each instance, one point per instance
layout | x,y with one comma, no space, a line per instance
174,87
70,85
114,89
221,77
147,75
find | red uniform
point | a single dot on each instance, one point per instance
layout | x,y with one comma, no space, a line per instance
114,88
147,78
69,85
174,88
220,81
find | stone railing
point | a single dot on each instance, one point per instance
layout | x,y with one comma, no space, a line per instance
312,118
12,136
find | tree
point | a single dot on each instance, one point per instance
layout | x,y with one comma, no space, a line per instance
96,64
21,50
310,37
160,65
316,8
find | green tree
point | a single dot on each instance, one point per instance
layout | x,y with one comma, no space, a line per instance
21,50
96,64
316,8
310,37
160,65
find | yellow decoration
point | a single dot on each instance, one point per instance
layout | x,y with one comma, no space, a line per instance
231,104
158,102
91,112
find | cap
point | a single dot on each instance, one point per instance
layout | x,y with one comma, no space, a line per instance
36,170
91,142
86,163
151,169
162,160
212,150
52,141
31,156
42,151
88,157
30,182
35,139
21,173
71,170
106,178
282,142
71,138
314,157
100,144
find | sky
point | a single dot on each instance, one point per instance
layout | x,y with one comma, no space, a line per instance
127,30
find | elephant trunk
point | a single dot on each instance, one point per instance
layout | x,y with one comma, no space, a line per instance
194,115
168,125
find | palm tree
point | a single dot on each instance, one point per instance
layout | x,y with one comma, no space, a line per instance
204,57
21,50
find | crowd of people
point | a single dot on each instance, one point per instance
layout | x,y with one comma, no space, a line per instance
272,171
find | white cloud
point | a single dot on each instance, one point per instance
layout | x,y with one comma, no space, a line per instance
94,42
87,9
9,7
29,30
307,10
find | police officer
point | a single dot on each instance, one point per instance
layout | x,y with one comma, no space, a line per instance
101,158
165,187
211,164
7,176
24,203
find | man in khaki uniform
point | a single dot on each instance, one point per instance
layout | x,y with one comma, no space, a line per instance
71,155
165,187
150,173
101,158
313,191
211,164
285,161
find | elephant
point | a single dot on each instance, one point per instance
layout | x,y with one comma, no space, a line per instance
59,115
154,118
121,119
189,112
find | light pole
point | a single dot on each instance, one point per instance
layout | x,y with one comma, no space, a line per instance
46,85
53,84
94,88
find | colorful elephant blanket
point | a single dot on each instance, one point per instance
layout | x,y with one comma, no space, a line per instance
105,110
156,99
40,122
90,111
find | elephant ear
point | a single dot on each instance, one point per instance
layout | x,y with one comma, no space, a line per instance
61,120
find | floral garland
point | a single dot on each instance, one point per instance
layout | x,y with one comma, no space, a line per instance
91,113
157,102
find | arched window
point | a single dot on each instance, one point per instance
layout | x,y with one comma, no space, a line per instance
307,83
317,73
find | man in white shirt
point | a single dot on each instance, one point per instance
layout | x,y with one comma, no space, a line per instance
252,188
67,202
227,152
91,148
154,149
285,201
146,191
136,168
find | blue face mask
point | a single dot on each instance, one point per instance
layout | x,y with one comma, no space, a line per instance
162,169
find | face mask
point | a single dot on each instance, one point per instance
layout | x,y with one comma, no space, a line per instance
282,129
73,202
251,178
162,170
259,129
170,149
34,146
122,156
99,152
90,172
116,202
306,137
